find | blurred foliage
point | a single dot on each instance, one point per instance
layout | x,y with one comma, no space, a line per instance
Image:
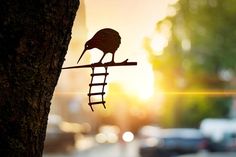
200,56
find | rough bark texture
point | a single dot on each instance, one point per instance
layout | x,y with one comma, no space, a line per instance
34,37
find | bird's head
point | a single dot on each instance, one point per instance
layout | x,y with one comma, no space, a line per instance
88,45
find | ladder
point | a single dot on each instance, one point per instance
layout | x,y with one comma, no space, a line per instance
92,84
103,83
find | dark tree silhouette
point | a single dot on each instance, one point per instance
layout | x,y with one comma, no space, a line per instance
34,36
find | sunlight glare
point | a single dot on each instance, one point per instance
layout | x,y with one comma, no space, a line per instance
137,81
143,85
158,43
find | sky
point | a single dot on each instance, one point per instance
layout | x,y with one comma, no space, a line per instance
134,20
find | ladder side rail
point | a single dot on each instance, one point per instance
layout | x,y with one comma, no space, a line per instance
103,87
90,88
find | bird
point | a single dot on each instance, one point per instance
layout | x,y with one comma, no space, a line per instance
107,40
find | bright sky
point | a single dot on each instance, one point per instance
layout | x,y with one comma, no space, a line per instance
134,20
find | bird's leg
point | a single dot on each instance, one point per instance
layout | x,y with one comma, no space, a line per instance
113,58
112,62
102,58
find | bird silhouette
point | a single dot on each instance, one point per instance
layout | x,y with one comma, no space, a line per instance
106,40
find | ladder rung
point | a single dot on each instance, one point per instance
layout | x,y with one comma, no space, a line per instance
98,102
99,93
99,74
97,84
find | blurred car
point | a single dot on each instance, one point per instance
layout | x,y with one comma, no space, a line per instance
221,133
230,141
57,138
171,142
149,131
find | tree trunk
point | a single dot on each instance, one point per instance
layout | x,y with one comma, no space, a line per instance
34,37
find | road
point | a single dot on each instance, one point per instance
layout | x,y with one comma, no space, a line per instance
204,154
123,150
112,150
104,150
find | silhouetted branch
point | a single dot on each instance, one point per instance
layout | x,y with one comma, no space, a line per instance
102,65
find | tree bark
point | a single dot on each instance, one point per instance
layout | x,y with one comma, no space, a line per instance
34,37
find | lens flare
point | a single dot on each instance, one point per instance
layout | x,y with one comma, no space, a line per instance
128,136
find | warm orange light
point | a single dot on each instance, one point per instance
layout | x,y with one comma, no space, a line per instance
203,93
158,43
206,93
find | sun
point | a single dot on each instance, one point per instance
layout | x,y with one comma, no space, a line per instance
141,82
158,43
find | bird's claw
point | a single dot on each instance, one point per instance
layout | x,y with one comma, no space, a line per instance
110,63
96,64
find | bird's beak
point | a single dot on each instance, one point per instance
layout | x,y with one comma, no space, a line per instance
82,55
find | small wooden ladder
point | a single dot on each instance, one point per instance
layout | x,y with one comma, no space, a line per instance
103,84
